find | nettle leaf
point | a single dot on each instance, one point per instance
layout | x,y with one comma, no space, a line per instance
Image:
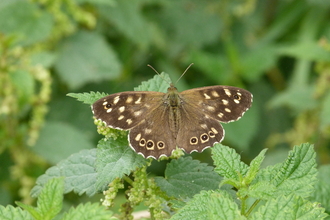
289,207
185,177
254,167
159,83
78,170
295,175
87,98
228,163
210,205
9,212
59,139
322,187
50,200
115,159
260,190
88,211
86,57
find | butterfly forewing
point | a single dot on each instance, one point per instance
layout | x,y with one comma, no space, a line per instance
125,110
223,103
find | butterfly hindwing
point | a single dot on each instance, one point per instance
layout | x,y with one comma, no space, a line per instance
202,132
152,137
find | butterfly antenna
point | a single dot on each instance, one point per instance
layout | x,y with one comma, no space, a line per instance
184,72
158,73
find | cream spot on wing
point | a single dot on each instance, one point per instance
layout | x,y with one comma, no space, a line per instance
137,113
214,130
210,108
206,96
215,94
227,110
238,93
121,109
224,101
129,121
121,117
129,99
220,115
116,99
147,131
109,110
236,101
204,126
138,137
138,101
228,93
104,103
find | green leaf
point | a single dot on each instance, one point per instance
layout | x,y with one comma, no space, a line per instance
159,83
26,21
228,163
254,167
259,190
185,177
78,170
58,140
210,63
30,209
86,57
51,198
115,159
289,207
251,67
295,175
88,211
209,205
322,187
297,98
187,25
44,58
87,98
9,213
49,201
306,50
126,13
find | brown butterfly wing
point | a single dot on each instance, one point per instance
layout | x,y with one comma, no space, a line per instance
126,110
223,103
201,111
153,137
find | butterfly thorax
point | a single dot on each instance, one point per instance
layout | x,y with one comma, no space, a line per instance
173,101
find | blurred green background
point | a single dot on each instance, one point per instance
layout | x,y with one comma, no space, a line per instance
277,49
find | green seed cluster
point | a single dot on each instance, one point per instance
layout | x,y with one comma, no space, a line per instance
111,193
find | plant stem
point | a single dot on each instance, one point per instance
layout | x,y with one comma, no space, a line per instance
243,207
127,179
252,207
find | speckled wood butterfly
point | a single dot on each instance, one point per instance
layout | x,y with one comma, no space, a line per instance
159,122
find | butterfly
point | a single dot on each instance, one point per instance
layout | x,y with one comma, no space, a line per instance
159,122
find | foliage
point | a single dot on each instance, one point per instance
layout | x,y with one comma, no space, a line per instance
278,50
